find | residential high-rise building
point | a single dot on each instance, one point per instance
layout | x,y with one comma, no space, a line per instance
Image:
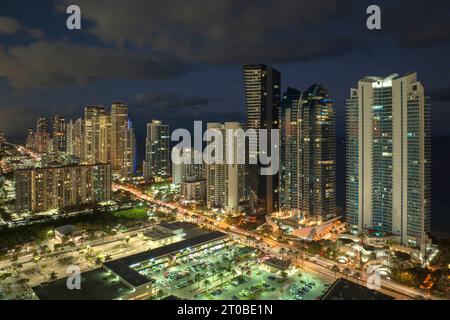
193,190
157,151
224,184
31,140
91,132
41,136
308,154
42,189
389,158
191,167
289,135
128,143
104,140
119,120
262,93
59,134
75,138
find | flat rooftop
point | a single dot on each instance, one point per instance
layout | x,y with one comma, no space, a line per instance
95,285
123,266
177,225
343,289
278,264
156,234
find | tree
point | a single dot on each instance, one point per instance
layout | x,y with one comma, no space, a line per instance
357,276
282,252
197,278
206,283
53,276
98,261
335,269
347,272
108,258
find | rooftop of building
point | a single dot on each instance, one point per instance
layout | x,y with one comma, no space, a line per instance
123,267
67,229
96,284
343,289
177,225
278,263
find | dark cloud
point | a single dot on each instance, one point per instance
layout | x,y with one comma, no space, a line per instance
15,119
418,23
44,64
440,94
166,100
11,26
224,31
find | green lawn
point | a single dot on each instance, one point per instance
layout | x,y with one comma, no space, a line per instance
134,213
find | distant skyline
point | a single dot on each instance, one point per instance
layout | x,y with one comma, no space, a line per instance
180,62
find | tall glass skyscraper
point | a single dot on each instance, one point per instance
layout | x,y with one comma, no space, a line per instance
389,158
308,153
289,121
157,152
262,93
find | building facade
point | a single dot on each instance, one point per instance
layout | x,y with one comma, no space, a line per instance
263,95
42,189
59,134
226,187
119,119
308,154
389,158
157,151
189,166
41,136
289,136
193,190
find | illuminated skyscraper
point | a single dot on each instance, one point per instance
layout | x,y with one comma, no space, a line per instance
41,136
191,167
128,145
59,134
389,158
119,120
308,157
75,138
104,140
224,184
262,93
157,151
289,122
91,131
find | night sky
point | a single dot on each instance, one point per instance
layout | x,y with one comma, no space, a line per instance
180,61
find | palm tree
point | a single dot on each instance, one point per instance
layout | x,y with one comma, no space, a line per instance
53,276
206,283
347,272
197,278
97,261
357,276
335,269
108,258
282,252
